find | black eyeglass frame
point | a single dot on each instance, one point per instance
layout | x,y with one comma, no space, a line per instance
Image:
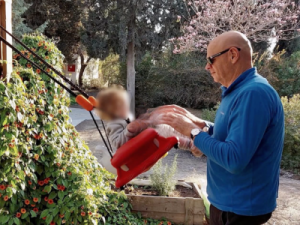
211,58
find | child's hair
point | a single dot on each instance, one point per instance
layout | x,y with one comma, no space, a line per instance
108,100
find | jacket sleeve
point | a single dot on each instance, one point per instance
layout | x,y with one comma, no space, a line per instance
118,133
247,124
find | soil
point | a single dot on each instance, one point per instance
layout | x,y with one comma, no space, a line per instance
150,191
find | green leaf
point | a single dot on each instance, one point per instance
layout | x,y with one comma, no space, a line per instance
44,213
61,194
4,219
49,219
52,195
24,215
33,214
17,221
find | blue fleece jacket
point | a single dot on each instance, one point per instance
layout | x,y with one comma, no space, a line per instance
244,147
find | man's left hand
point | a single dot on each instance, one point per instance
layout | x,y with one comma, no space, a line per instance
179,122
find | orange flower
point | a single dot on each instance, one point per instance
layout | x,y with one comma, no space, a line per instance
47,57
38,71
58,164
169,223
6,127
29,182
82,213
27,202
35,209
35,199
90,213
11,145
33,49
48,70
36,157
29,66
51,115
32,205
41,182
50,201
61,215
40,44
18,215
6,198
2,187
23,210
46,199
45,47
46,181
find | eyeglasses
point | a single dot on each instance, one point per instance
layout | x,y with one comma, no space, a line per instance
210,60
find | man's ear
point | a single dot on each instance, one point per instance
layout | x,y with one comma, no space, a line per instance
234,55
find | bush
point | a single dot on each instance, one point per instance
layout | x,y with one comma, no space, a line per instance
210,114
175,79
291,152
282,72
163,177
48,175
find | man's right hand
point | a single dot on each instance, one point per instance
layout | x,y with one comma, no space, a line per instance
177,110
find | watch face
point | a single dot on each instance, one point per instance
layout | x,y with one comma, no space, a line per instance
195,132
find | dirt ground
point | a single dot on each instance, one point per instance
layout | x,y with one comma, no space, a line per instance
194,169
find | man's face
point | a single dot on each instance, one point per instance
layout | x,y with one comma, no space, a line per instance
219,68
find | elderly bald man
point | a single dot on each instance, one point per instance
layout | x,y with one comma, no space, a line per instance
244,144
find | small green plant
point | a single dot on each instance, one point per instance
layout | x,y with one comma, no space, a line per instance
210,114
163,177
291,151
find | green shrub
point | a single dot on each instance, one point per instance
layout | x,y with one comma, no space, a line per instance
282,72
162,178
210,114
47,174
175,79
291,151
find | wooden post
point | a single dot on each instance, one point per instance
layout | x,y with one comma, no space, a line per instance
6,52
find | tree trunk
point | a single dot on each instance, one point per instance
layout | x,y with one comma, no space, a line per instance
83,66
131,75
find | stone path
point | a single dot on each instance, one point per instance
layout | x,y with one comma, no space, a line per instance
194,169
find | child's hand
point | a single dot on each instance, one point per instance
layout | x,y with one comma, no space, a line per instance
137,126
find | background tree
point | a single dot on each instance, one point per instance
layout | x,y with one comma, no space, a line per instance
260,20
130,29
63,24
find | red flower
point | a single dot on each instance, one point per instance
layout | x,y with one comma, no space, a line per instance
58,186
50,201
38,71
46,199
82,213
6,127
18,215
32,205
48,70
2,187
44,218
27,202
41,182
46,181
90,213
35,199
35,209
52,223
62,188
69,173
61,215
11,145
28,65
6,198
23,210
29,182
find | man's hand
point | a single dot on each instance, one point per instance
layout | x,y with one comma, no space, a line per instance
179,111
179,122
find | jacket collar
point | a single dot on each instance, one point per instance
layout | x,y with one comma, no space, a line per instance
248,74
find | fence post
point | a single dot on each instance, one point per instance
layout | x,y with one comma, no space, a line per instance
6,52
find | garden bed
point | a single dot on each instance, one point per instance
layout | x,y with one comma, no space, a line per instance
183,206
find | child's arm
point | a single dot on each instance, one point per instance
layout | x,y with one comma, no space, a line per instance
118,133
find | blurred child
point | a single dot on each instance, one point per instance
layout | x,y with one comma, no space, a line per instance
113,108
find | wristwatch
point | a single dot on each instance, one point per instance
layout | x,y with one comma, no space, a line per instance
195,132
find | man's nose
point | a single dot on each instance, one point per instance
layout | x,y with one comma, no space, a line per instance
208,66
